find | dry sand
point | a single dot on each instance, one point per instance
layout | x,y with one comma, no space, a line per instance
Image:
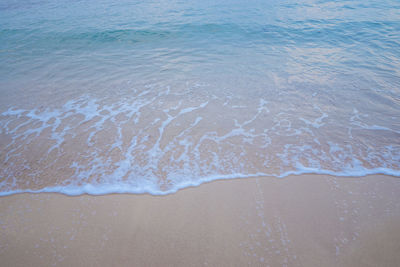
309,220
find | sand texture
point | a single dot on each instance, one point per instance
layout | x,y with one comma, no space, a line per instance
309,220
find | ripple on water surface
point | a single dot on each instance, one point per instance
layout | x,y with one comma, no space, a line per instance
154,96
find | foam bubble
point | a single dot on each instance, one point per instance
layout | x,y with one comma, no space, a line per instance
159,141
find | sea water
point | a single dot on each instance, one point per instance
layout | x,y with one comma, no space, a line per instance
104,96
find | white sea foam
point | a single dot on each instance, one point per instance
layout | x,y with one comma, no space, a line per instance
152,143
122,188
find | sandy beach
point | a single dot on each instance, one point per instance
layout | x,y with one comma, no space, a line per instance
200,133
309,220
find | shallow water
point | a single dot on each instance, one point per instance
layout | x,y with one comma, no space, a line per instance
154,96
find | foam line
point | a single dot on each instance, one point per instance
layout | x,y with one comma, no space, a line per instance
121,188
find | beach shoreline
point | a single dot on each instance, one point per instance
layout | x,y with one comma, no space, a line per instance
306,220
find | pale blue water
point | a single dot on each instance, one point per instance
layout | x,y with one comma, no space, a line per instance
154,96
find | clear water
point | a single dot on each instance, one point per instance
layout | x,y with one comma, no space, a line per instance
153,96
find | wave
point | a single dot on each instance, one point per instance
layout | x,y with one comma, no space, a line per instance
302,33
121,188
158,141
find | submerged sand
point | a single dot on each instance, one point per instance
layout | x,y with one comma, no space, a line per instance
308,220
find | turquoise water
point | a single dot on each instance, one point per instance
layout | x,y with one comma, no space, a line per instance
154,96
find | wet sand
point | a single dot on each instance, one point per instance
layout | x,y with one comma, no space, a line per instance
308,220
